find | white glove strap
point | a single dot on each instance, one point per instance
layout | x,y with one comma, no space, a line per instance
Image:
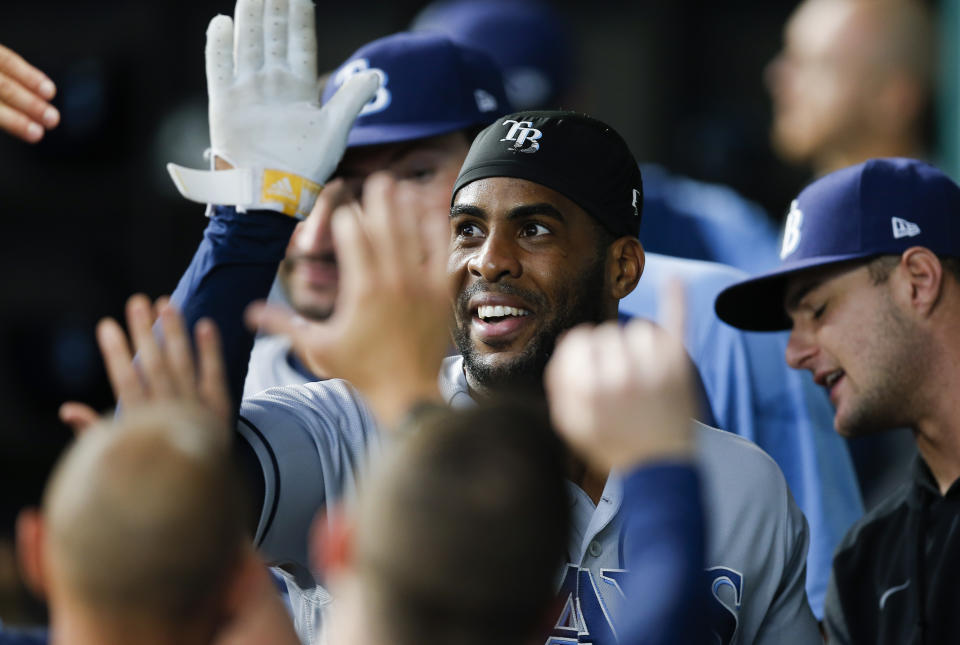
248,189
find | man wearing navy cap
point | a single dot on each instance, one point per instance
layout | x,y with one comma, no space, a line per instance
869,284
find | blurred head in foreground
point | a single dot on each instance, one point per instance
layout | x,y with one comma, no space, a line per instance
460,531
141,535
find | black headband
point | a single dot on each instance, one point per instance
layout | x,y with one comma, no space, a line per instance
575,155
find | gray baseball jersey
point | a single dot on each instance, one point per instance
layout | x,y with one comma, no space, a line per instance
314,440
270,366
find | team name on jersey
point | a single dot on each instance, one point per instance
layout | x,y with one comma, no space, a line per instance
590,604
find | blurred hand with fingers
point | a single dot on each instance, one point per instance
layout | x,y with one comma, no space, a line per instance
25,95
389,329
166,371
622,396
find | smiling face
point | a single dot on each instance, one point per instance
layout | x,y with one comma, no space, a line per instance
425,170
528,264
858,344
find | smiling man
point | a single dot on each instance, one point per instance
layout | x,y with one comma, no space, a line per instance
870,285
505,327
544,225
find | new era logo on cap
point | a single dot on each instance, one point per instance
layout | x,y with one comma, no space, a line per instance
903,228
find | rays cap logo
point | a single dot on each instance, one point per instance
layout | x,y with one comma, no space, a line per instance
576,155
524,136
430,86
879,207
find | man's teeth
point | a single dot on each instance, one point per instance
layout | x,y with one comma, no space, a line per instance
833,377
489,311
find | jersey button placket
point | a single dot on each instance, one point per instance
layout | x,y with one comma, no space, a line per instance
595,548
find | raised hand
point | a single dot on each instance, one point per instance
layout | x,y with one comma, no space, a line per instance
389,330
265,117
25,92
166,371
622,396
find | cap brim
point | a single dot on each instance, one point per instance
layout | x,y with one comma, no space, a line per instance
757,304
379,134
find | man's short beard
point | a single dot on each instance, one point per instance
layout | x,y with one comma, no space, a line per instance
584,303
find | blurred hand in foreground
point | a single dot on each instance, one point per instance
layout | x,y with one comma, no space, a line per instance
389,330
25,92
622,396
164,371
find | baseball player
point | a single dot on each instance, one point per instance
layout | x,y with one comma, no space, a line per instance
530,262
327,470
751,392
870,288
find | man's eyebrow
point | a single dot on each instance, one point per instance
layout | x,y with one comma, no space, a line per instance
541,208
467,209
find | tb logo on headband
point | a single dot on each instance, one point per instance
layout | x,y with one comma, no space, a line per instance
521,133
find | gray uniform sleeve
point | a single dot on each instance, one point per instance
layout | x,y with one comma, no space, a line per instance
789,619
756,546
312,442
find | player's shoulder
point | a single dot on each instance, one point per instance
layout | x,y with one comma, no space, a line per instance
717,203
739,466
701,281
716,274
888,515
331,405
268,366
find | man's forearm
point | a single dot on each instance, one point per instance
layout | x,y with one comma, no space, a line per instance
235,264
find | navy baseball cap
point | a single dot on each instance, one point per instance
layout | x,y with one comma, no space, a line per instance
578,156
527,38
880,207
429,86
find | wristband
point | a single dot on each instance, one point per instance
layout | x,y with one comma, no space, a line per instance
248,189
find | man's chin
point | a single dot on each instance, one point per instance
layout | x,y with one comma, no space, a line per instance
313,308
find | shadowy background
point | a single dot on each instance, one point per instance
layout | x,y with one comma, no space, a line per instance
89,216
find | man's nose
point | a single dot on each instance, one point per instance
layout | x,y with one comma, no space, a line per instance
314,235
496,259
800,349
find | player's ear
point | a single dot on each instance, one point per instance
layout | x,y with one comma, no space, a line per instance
30,550
331,540
921,279
625,265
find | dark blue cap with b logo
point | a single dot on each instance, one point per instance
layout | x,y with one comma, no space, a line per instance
429,86
880,207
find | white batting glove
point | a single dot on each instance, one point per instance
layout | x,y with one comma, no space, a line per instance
265,117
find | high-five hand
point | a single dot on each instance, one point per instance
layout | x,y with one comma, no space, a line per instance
25,92
390,327
265,120
622,396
